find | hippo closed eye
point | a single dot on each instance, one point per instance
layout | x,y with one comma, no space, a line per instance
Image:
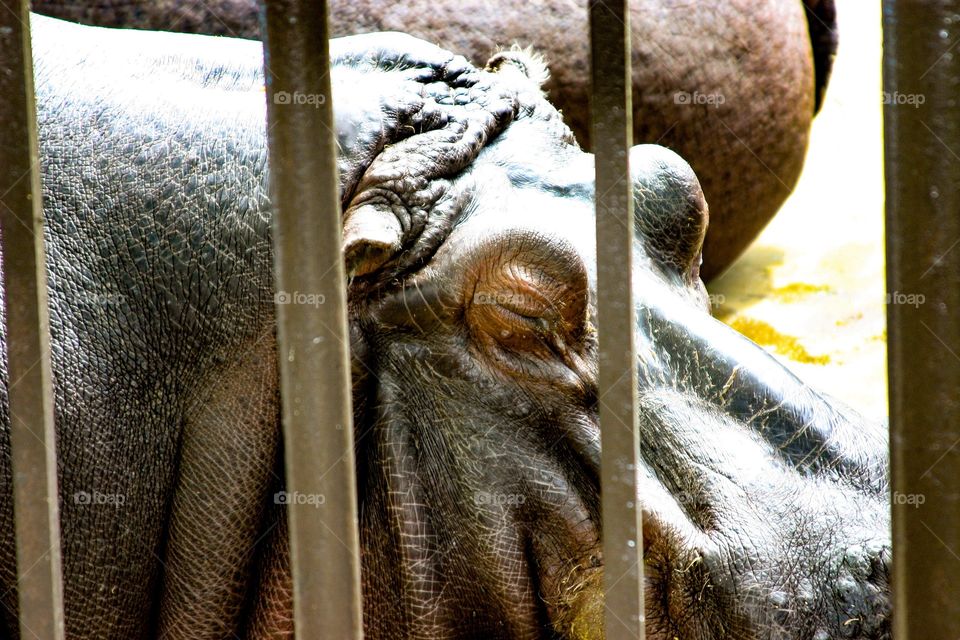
468,235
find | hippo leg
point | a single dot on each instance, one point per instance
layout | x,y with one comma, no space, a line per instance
226,465
272,599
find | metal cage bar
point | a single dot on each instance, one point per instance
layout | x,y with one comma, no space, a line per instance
612,134
313,341
922,139
32,436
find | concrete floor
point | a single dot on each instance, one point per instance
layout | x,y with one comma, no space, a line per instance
811,288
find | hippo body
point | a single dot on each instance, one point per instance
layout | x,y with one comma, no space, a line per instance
474,367
730,86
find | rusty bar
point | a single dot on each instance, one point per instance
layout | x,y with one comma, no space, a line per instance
612,136
922,149
32,434
312,340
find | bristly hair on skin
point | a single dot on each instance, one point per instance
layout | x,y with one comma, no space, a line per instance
531,63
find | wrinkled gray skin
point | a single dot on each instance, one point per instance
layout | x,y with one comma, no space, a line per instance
468,231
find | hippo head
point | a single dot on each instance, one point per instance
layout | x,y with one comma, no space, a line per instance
469,239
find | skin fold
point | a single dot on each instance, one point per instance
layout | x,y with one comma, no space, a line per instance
730,86
468,238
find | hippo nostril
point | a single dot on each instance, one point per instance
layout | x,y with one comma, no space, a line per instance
861,591
670,209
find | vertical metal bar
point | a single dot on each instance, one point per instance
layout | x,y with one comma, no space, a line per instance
922,139
32,436
612,135
312,340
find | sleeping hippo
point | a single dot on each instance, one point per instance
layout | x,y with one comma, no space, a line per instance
732,86
474,367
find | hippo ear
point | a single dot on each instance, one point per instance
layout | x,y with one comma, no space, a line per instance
405,205
370,239
670,211
525,62
402,144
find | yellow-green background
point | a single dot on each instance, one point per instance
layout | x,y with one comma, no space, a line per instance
811,288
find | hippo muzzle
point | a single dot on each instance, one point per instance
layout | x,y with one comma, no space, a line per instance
764,502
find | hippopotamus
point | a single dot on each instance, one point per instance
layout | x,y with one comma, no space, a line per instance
731,86
467,212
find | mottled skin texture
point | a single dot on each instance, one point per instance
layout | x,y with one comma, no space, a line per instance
468,230
769,61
